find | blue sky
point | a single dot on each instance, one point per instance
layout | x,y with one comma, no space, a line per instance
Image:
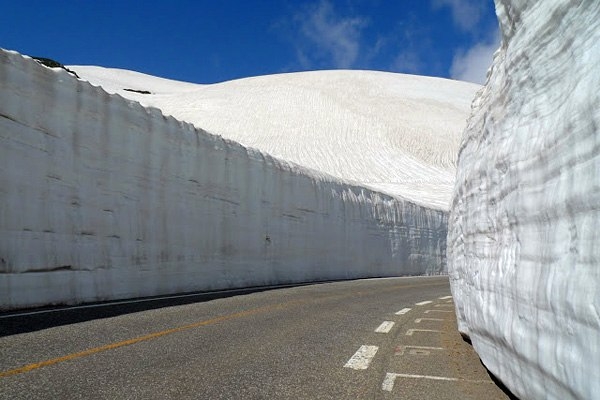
212,41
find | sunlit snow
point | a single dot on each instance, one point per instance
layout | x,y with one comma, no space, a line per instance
396,133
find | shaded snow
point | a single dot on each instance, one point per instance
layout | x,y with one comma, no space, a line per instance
524,228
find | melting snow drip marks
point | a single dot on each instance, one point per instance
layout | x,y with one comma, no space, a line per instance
187,210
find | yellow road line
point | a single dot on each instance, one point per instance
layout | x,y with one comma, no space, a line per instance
128,342
110,346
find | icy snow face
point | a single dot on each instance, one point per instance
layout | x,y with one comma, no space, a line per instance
102,199
396,133
524,229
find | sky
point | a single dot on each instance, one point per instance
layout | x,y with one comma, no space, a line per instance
213,41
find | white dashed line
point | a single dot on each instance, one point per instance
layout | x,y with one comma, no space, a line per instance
430,311
411,331
362,358
422,303
390,378
418,320
385,327
403,311
445,297
443,305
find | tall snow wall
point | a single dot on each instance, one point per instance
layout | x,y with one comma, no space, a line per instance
103,199
524,226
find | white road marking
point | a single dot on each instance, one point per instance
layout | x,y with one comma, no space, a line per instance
388,382
445,297
443,305
390,379
411,331
403,311
422,303
385,327
430,311
418,320
415,350
362,358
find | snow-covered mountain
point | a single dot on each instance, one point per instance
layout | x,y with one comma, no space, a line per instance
104,198
524,228
392,132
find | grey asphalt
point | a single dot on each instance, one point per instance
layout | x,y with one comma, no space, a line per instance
289,343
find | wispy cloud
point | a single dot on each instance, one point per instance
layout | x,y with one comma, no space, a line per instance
466,14
472,64
408,62
409,46
323,37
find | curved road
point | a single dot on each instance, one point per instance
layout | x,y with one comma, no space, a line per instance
366,339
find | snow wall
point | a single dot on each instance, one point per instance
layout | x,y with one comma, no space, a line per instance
524,226
103,199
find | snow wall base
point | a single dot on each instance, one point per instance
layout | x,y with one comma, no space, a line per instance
524,226
103,199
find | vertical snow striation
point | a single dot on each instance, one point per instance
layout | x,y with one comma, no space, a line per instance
524,226
101,198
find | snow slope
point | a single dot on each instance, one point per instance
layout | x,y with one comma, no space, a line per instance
395,133
524,228
101,198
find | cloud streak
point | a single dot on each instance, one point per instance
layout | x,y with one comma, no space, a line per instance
466,14
471,65
407,62
325,37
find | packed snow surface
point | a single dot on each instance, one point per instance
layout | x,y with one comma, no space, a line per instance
396,133
524,227
101,198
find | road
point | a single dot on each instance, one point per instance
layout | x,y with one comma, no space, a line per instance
365,339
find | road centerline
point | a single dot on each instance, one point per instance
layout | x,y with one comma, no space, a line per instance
422,303
362,358
385,327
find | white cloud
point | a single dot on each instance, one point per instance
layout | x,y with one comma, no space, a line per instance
466,14
407,62
471,65
328,37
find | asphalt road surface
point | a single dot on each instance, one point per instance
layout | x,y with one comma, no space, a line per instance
368,339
